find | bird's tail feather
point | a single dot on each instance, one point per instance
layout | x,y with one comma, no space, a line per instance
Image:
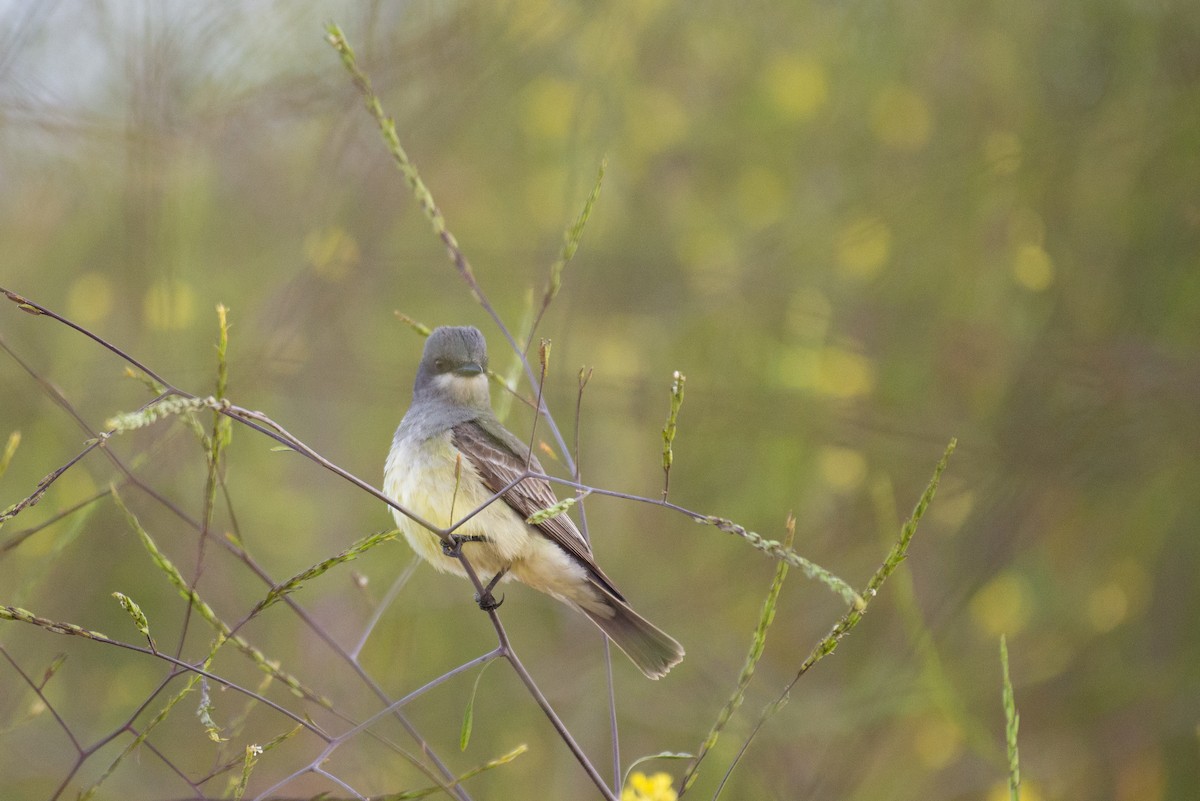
650,648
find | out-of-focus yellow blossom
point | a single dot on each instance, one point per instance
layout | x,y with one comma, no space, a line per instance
796,87
900,118
655,120
863,246
843,469
1004,605
332,252
937,741
659,787
831,371
844,373
548,107
90,298
169,305
1029,792
1033,268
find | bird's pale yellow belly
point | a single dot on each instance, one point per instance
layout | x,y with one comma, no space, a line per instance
423,479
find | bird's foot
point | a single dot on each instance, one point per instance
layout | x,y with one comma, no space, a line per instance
452,547
487,602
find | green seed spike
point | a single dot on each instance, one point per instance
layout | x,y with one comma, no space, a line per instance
668,433
415,325
139,618
541,516
1012,722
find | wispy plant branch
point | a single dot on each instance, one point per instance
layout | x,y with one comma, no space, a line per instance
851,619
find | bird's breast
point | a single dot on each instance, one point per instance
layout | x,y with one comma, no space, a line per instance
433,480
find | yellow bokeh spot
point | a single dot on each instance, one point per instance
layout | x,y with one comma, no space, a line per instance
843,469
654,121
1029,792
863,246
169,305
938,742
798,367
953,510
900,118
90,298
332,252
1033,268
658,787
1002,152
1107,606
796,87
844,373
548,107
761,196
1003,606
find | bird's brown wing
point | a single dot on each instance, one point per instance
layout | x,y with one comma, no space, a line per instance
500,458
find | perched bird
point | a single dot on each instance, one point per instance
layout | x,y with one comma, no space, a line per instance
450,455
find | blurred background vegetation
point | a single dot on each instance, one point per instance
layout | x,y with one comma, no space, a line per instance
858,228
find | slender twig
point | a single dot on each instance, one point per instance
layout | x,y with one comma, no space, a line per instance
171,391
268,427
544,359
390,596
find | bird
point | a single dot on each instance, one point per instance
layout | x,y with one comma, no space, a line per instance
450,455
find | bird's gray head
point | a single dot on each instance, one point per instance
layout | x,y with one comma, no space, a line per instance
454,368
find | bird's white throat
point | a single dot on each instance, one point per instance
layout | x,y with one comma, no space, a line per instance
464,390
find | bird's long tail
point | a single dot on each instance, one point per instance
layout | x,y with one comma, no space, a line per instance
650,648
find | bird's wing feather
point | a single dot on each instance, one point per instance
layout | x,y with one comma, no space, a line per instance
500,458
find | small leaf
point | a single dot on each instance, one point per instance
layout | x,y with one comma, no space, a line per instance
53,667
469,714
10,449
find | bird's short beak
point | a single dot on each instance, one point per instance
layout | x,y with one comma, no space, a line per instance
469,369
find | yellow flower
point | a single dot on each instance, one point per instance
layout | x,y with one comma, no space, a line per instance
659,787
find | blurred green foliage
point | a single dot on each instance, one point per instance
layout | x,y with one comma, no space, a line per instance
859,229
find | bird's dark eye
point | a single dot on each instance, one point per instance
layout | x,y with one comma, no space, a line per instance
439,365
